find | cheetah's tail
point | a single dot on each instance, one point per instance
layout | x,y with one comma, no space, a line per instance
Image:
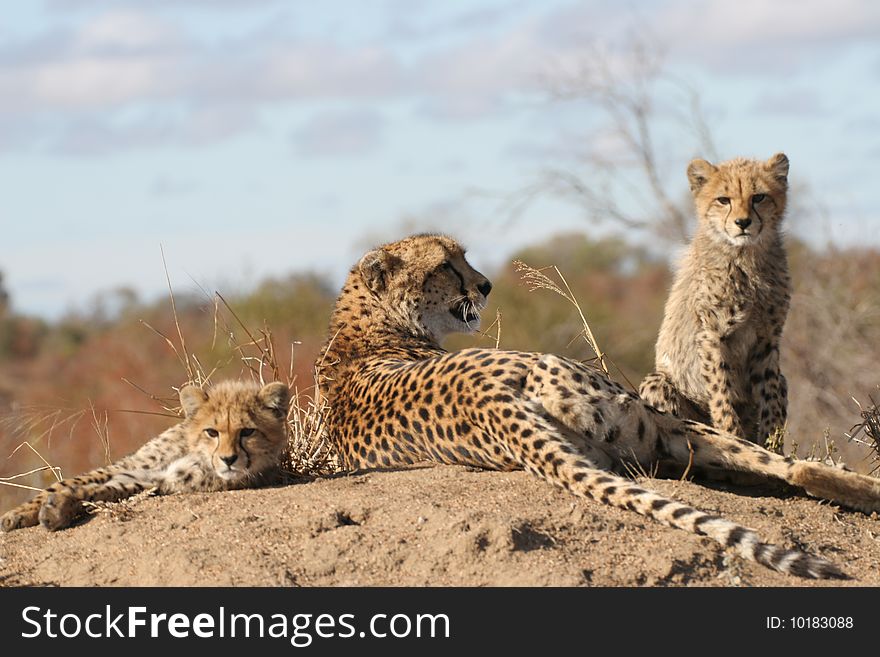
582,479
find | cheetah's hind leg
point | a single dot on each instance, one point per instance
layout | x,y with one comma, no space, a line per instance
685,440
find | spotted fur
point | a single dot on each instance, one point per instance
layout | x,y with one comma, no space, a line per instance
717,355
232,437
396,397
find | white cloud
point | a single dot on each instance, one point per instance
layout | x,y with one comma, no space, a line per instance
88,135
97,82
755,36
118,59
325,70
121,58
756,22
125,30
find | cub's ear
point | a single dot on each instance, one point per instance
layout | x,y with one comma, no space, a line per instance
191,399
377,267
698,172
778,166
275,397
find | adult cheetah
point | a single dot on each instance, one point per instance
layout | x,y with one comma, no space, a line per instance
232,436
396,397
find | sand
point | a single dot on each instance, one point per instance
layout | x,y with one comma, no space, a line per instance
440,525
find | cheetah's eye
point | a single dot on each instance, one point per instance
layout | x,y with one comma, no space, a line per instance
723,200
244,433
213,433
757,198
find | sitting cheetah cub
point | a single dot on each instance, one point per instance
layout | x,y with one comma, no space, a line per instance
717,355
232,436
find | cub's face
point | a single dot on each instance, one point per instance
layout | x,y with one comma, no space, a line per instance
742,201
238,425
427,283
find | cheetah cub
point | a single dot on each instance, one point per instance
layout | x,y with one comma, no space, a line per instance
717,355
232,436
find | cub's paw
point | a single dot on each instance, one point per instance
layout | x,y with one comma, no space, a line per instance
24,515
59,511
15,519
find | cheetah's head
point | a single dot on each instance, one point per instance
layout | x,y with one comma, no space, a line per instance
239,424
426,283
742,201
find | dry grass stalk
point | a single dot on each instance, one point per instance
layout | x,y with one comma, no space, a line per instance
183,350
310,451
121,510
37,423
776,440
102,428
537,279
496,337
638,472
690,464
54,469
264,345
867,432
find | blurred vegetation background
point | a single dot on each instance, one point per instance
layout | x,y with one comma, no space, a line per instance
96,384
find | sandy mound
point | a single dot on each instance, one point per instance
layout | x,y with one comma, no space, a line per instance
428,526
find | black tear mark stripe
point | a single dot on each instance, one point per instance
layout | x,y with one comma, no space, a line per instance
461,287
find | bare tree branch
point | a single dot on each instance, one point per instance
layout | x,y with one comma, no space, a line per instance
638,101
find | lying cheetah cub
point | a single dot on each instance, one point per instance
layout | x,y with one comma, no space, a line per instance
717,355
232,436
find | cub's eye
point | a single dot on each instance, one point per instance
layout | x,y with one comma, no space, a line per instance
244,433
213,433
446,265
723,200
757,198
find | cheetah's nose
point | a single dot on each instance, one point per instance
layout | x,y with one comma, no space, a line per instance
743,223
229,460
484,288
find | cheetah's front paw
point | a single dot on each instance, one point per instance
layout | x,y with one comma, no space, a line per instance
59,511
15,519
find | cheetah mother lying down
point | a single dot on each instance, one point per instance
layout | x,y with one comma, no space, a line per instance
397,397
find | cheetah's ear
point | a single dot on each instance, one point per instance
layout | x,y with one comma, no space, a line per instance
376,267
275,397
698,173
778,166
191,399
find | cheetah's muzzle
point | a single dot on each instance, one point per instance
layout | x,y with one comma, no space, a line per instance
466,313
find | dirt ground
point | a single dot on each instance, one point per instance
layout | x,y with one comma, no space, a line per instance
439,525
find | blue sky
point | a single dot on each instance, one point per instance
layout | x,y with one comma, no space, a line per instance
257,137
